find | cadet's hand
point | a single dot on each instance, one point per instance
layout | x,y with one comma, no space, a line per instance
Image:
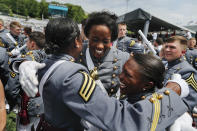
178,85
28,77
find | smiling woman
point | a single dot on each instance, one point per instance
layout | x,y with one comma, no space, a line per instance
101,30
142,75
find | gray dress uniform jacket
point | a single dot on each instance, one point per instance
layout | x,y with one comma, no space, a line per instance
14,91
129,45
4,69
191,57
109,67
189,74
70,94
7,43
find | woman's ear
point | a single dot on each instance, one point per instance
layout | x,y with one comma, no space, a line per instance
78,42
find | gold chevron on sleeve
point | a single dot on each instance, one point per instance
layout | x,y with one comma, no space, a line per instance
87,87
192,82
156,113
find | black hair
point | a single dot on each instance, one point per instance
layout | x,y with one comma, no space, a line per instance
102,18
60,33
150,68
27,30
38,38
83,22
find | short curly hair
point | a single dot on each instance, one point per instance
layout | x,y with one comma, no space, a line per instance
102,18
60,33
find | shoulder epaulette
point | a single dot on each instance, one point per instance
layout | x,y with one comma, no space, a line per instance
87,88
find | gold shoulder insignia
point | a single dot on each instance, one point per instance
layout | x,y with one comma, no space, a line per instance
30,53
196,60
132,43
192,82
156,112
87,87
12,74
1,44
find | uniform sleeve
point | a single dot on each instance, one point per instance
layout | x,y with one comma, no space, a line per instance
12,89
191,79
37,56
4,66
86,99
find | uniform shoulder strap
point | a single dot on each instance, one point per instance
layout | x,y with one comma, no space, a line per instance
46,75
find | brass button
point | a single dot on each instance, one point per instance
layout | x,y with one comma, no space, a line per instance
28,53
80,60
72,60
160,96
112,90
115,67
112,82
115,60
16,44
151,100
143,97
38,115
81,53
22,56
167,92
114,75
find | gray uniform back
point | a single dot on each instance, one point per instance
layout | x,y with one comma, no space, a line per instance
129,45
191,57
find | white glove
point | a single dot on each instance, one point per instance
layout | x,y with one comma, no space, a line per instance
182,83
28,78
15,52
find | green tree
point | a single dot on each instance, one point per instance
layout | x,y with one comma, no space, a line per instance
76,12
4,8
44,9
33,8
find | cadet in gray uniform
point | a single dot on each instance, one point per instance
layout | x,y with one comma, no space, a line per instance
125,43
13,38
30,108
191,53
173,53
2,29
4,69
106,60
69,93
142,76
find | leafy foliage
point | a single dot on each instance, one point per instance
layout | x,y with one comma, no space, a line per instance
36,9
11,122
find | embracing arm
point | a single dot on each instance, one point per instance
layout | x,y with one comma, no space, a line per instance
91,104
2,108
